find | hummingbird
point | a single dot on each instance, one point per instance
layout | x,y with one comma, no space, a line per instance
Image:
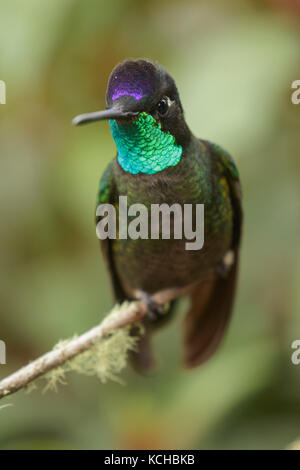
160,161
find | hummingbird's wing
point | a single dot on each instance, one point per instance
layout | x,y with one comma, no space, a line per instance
212,301
107,195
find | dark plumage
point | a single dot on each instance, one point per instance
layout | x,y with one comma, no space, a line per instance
161,270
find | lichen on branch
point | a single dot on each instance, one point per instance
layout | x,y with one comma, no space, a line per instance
101,351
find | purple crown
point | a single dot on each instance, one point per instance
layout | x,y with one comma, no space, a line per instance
133,78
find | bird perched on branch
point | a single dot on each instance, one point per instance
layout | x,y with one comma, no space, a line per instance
160,161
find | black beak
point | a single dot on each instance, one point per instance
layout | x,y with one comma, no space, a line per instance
112,113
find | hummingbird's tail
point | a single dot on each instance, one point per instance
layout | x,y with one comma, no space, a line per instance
206,322
142,359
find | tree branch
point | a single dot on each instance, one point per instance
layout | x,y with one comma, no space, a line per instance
129,313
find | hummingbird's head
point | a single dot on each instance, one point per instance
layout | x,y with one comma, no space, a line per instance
142,99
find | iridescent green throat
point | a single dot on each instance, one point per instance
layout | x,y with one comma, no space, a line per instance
143,147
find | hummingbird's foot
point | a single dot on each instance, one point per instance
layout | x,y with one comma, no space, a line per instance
155,310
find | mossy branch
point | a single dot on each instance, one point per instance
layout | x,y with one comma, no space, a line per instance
82,353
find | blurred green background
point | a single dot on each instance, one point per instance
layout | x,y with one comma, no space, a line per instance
234,63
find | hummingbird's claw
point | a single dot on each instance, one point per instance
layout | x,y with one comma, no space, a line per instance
154,309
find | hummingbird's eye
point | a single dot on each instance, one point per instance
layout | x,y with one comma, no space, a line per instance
163,106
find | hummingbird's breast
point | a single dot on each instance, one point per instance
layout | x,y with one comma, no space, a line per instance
155,265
